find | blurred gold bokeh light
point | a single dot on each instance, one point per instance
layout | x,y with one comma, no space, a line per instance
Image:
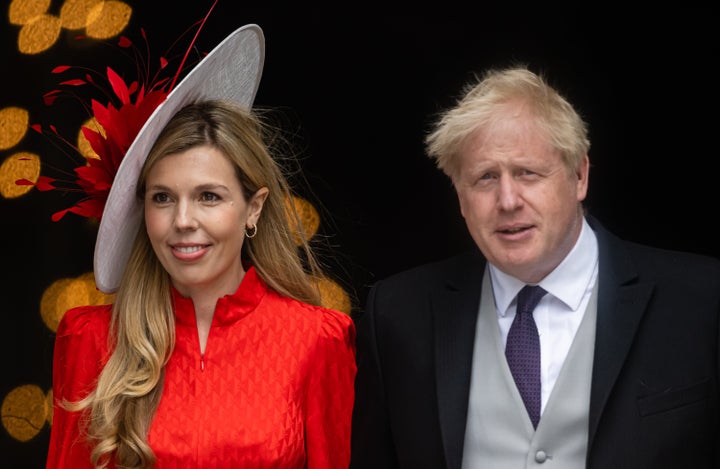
13,126
108,19
24,412
74,14
41,33
40,30
83,144
68,293
334,296
21,165
21,12
309,218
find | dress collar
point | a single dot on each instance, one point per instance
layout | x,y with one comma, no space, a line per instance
229,308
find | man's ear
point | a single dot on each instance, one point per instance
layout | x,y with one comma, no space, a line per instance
582,173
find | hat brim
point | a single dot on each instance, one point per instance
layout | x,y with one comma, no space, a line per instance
231,71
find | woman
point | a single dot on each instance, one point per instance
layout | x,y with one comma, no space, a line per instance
216,352
220,357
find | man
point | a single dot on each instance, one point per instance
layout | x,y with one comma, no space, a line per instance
616,367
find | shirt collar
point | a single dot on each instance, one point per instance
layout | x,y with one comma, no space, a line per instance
568,282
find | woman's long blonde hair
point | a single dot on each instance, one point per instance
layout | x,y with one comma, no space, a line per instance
121,407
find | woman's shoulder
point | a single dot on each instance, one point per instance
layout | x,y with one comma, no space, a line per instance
337,324
328,334
81,350
326,321
85,321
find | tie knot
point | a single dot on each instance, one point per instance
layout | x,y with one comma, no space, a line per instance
529,297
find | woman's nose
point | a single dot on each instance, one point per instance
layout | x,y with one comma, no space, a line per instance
185,216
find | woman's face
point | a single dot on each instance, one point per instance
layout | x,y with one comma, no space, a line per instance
196,215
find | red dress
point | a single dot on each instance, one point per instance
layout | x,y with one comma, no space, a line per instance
273,389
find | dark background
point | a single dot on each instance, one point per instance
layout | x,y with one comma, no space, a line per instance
358,86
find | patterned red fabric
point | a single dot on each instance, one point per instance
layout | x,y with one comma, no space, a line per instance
273,389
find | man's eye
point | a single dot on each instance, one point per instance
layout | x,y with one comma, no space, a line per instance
528,173
486,179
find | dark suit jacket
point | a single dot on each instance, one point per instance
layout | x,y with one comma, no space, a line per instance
654,399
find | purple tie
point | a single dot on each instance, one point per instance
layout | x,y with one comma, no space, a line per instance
523,350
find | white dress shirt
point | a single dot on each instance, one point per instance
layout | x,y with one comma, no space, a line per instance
559,313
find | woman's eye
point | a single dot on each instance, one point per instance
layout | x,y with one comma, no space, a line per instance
209,197
160,198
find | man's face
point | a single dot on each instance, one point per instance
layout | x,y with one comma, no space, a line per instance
521,204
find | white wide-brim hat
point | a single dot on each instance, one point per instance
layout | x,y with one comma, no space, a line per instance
231,71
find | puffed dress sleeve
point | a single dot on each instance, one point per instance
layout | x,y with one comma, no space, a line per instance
80,352
331,394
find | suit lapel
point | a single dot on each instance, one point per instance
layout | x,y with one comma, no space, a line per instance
622,301
454,311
